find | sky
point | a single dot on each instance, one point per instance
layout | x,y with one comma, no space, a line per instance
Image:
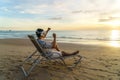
59,14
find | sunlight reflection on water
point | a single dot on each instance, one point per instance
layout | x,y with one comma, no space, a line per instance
115,34
114,44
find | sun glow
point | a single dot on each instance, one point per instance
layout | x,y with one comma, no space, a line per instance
115,44
114,23
114,37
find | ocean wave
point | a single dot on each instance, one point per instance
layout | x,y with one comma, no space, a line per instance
99,39
65,35
70,37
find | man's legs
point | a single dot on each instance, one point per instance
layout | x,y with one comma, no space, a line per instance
56,47
68,54
54,43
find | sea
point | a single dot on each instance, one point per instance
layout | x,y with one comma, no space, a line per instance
92,37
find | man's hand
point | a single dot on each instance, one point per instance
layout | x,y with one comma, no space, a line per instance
54,35
49,29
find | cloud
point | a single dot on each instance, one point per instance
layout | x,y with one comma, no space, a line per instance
4,9
26,24
58,6
59,11
56,18
31,9
104,20
108,19
79,11
85,11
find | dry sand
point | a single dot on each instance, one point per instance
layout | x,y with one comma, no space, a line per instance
99,62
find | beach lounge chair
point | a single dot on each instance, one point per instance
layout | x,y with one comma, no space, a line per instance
41,56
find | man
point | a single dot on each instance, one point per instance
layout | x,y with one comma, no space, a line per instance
51,48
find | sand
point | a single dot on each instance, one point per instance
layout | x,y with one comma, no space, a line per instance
99,62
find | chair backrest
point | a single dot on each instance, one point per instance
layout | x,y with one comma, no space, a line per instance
36,44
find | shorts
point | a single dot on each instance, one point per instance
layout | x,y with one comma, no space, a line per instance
52,53
55,54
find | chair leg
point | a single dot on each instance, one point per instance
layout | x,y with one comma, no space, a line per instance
75,63
28,57
78,61
26,73
62,59
36,61
34,64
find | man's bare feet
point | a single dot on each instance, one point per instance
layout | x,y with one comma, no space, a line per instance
74,53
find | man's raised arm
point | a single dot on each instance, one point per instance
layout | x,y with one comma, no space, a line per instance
47,32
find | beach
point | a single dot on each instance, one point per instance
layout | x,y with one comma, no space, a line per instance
98,62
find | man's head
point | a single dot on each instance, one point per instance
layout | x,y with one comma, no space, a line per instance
40,33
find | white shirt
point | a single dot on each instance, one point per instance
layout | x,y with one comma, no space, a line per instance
48,49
